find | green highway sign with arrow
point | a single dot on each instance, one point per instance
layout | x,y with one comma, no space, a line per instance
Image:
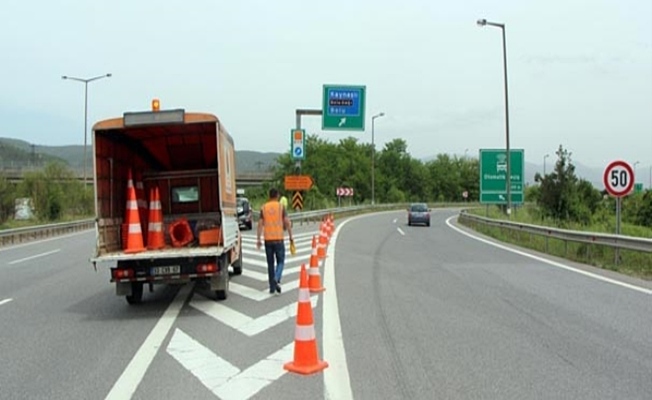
343,108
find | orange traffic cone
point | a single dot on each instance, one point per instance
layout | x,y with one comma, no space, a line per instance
331,226
134,236
323,243
314,278
155,237
306,360
142,202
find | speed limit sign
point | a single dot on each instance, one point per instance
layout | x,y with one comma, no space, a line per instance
618,178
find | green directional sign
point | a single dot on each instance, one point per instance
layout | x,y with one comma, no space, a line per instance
638,187
343,108
493,176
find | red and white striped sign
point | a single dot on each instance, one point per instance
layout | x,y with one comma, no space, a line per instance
344,191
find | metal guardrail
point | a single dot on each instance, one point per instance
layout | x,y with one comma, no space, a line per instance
29,233
22,235
604,239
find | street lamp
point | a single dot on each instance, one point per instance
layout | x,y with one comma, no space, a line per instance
484,22
373,159
544,164
85,82
635,164
465,152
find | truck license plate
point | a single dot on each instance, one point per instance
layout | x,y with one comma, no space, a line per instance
174,269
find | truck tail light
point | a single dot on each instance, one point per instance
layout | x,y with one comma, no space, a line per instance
204,268
122,273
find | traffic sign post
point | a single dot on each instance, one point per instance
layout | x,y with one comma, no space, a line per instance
297,201
298,182
343,192
493,176
343,108
298,144
618,179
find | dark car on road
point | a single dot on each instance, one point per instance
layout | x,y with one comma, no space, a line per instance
419,213
245,214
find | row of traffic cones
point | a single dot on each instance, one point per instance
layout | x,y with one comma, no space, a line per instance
306,359
134,242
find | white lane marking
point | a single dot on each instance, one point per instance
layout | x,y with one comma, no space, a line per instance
337,383
249,258
34,256
5,301
395,219
131,377
8,248
260,295
220,376
262,276
244,323
260,253
400,231
298,237
550,262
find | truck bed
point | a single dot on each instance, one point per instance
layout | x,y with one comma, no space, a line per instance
183,252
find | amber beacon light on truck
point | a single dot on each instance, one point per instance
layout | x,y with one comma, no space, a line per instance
154,117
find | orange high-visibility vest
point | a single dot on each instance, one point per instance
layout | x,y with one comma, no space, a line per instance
273,220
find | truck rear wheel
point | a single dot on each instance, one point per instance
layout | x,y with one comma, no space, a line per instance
237,266
223,293
136,293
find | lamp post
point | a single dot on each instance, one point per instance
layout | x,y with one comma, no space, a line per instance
544,164
85,81
508,183
635,164
465,152
373,159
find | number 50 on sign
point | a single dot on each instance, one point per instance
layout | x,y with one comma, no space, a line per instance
618,178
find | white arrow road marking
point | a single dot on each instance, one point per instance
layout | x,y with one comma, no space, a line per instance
221,377
262,276
297,237
244,323
131,377
255,251
248,260
259,295
5,301
34,256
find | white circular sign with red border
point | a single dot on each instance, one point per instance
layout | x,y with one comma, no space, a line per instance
618,178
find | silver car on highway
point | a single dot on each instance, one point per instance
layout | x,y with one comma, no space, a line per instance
419,213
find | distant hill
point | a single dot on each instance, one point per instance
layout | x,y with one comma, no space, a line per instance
16,153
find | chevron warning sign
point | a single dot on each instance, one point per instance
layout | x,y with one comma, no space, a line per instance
297,201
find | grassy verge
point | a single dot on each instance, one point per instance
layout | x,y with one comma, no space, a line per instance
633,263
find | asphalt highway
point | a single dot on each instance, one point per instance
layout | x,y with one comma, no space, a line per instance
408,313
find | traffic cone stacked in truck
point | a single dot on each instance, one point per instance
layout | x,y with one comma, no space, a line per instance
142,202
155,236
134,234
306,360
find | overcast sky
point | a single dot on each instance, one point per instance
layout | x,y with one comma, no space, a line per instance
579,71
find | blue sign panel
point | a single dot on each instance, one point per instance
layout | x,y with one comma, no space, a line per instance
344,102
